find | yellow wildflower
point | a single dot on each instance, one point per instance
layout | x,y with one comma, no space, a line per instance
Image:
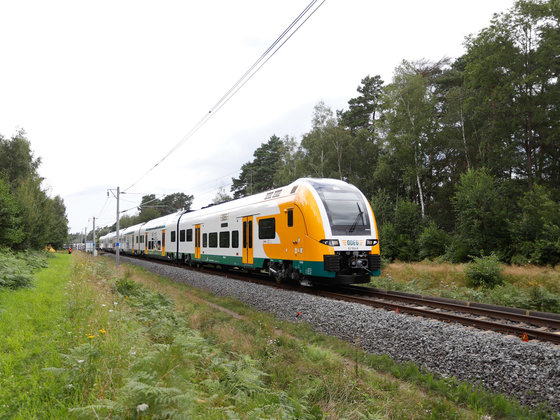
102,331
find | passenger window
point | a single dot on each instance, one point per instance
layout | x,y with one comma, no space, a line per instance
173,236
290,217
204,240
267,228
213,240
182,235
235,239
189,235
224,239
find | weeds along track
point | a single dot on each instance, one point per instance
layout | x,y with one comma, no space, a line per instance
522,323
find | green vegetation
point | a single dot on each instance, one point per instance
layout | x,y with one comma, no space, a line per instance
29,218
485,280
484,271
87,342
16,269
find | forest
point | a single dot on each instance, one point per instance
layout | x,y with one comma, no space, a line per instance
459,158
29,218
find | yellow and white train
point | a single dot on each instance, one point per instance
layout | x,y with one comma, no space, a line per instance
311,230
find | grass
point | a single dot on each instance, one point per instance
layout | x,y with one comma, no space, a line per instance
90,342
528,287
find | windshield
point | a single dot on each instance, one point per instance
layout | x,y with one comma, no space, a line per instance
345,207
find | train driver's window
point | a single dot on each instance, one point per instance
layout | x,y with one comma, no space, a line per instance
290,217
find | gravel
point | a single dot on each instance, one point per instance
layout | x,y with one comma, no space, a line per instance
529,371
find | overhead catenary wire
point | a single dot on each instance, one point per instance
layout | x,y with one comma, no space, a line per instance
308,11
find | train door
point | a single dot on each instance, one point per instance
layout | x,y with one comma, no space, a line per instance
163,243
248,240
197,241
132,237
146,252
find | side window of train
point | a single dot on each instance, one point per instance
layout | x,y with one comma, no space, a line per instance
204,240
224,239
267,228
189,235
290,217
213,240
173,236
182,235
235,239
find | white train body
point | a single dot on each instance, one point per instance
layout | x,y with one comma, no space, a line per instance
318,228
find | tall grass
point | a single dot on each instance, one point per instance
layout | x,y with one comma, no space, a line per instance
528,287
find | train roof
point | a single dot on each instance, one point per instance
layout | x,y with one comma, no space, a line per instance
131,229
272,195
162,221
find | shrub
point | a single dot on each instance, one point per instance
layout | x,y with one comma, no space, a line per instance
433,241
458,251
547,248
484,271
543,300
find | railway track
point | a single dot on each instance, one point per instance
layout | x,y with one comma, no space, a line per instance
522,323
525,324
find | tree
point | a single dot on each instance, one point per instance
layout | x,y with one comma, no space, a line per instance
33,209
221,196
534,228
481,223
362,121
34,217
58,227
127,221
151,207
16,159
291,166
11,232
511,72
411,124
172,203
258,175
327,148
363,111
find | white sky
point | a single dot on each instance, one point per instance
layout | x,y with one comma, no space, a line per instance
105,89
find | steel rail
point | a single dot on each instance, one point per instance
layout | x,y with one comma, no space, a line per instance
431,313
542,319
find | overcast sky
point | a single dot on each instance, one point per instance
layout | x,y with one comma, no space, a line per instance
105,89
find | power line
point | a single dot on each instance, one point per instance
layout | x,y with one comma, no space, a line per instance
257,65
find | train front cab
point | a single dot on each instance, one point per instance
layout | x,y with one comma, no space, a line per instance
329,235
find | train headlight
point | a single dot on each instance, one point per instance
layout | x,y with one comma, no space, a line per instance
371,242
330,242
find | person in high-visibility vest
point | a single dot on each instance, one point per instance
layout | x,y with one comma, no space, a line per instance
70,250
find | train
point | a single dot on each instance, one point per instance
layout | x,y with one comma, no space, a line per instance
314,230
